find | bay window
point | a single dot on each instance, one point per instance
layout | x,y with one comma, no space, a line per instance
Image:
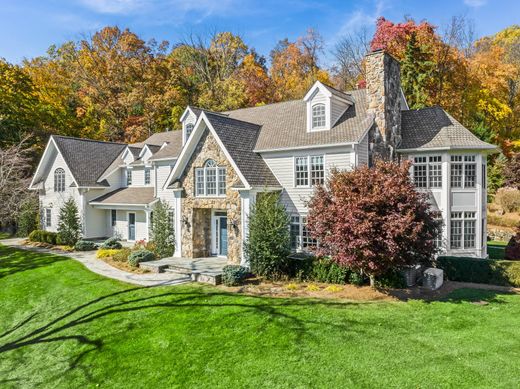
210,180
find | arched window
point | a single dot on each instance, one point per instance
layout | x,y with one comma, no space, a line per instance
210,180
318,116
59,180
189,129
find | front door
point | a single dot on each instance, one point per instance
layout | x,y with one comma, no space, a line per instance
131,226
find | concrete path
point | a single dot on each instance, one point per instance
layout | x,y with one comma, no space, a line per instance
88,258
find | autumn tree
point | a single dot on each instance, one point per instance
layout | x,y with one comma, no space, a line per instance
512,171
349,53
372,219
294,66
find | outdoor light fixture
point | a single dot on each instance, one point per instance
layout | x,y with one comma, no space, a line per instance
186,222
234,224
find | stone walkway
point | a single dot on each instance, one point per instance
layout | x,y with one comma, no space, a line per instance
89,260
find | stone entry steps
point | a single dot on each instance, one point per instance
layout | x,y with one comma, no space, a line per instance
205,270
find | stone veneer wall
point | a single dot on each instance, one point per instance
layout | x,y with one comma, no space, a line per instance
383,85
196,239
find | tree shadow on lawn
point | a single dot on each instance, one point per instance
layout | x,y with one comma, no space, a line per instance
14,261
58,329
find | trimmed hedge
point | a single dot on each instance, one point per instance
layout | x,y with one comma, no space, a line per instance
43,237
233,275
139,256
85,245
481,271
111,243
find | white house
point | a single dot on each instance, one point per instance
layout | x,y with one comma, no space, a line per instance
211,172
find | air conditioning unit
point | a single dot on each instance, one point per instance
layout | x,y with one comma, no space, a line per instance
433,278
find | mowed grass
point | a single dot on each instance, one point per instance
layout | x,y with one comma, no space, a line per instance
63,326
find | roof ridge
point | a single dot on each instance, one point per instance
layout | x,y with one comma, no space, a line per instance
242,121
89,140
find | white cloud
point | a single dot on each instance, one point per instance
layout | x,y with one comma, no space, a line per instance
475,3
362,18
113,6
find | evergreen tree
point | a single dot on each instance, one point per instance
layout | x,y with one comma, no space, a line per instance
268,244
28,217
69,226
415,71
162,230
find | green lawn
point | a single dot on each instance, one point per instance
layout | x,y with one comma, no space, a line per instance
63,326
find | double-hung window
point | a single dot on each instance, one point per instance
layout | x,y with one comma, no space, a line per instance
147,179
309,171
113,217
210,180
128,177
59,180
427,171
463,171
463,230
318,116
170,218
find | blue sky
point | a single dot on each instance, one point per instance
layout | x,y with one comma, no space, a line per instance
29,27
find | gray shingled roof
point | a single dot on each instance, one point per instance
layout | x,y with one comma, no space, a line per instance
87,159
284,124
124,196
433,128
338,93
172,149
239,139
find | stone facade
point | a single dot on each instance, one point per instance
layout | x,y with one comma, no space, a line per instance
383,85
196,211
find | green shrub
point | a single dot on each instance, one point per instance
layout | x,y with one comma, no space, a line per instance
496,250
233,275
85,245
300,266
69,225
121,255
111,243
43,236
483,271
357,279
268,244
508,199
139,256
328,271
392,279
106,253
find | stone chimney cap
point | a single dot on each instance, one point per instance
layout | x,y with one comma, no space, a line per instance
383,51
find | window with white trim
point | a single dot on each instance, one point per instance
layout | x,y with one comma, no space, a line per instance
128,177
147,175
463,171
300,236
210,180
170,218
318,116
48,217
189,130
427,171
463,230
309,171
438,242
59,180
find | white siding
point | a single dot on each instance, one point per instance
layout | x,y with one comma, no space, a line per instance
282,166
55,200
362,151
163,169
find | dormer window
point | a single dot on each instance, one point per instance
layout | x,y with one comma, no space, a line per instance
189,130
318,116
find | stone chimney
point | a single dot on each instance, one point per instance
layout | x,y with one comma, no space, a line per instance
383,88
